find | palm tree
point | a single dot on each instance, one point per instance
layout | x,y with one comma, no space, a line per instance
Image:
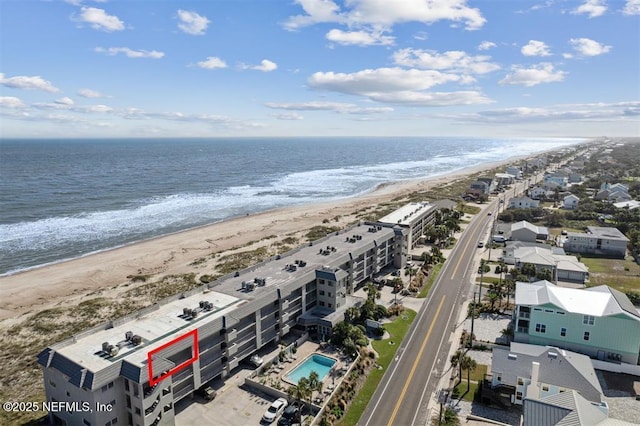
300,392
469,364
352,314
314,383
455,361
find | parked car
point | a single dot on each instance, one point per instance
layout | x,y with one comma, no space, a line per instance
256,360
275,409
480,244
207,393
289,416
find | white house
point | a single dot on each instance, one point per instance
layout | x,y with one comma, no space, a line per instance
525,231
598,240
570,202
514,171
540,193
560,180
561,266
523,203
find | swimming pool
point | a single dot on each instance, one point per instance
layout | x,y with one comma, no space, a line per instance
319,363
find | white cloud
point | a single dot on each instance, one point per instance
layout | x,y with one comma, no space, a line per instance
535,48
25,82
340,107
433,99
359,38
11,102
192,23
64,101
293,116
385,14
588,47
569,112
88,93
100,20
265,66
537,74
486,45
632,7
398,86
593,8
130,53
371,81
212,63
452,60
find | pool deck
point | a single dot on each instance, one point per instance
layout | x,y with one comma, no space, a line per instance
276,373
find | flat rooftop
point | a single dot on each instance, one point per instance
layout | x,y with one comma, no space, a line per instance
168,321
407,214
155,329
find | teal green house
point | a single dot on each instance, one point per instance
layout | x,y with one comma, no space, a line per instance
599,322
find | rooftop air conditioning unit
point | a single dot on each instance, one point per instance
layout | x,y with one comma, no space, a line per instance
105,346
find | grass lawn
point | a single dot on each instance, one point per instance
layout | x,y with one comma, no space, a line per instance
477,374
488,280
386,351
461,390
623,275
432,278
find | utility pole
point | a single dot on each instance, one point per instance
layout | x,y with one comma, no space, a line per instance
473,315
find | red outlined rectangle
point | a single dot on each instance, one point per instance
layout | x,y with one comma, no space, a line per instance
195,354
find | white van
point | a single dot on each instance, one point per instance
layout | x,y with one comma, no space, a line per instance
499,239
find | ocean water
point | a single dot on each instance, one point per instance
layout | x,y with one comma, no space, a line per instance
61,199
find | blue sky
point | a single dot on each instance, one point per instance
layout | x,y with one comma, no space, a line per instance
139,68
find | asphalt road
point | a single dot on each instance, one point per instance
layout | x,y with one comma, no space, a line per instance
403,395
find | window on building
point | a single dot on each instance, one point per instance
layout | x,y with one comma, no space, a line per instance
520,381
545,388
138,410
329,305
588,320
519,396
135,390
110,385
128,398
541,328
321,292
320,281
586,335
563,332
126,385
330,294
52,383
330,283
321,303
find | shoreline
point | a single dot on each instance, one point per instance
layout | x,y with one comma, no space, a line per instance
63,281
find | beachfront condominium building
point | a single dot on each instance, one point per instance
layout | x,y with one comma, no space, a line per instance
414,217
597,240
599,322
141,365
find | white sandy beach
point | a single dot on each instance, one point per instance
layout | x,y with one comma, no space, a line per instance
64,283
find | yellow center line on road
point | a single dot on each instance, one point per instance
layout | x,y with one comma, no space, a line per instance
460,260
415,364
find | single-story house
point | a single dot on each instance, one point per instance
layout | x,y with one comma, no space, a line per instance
525,231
